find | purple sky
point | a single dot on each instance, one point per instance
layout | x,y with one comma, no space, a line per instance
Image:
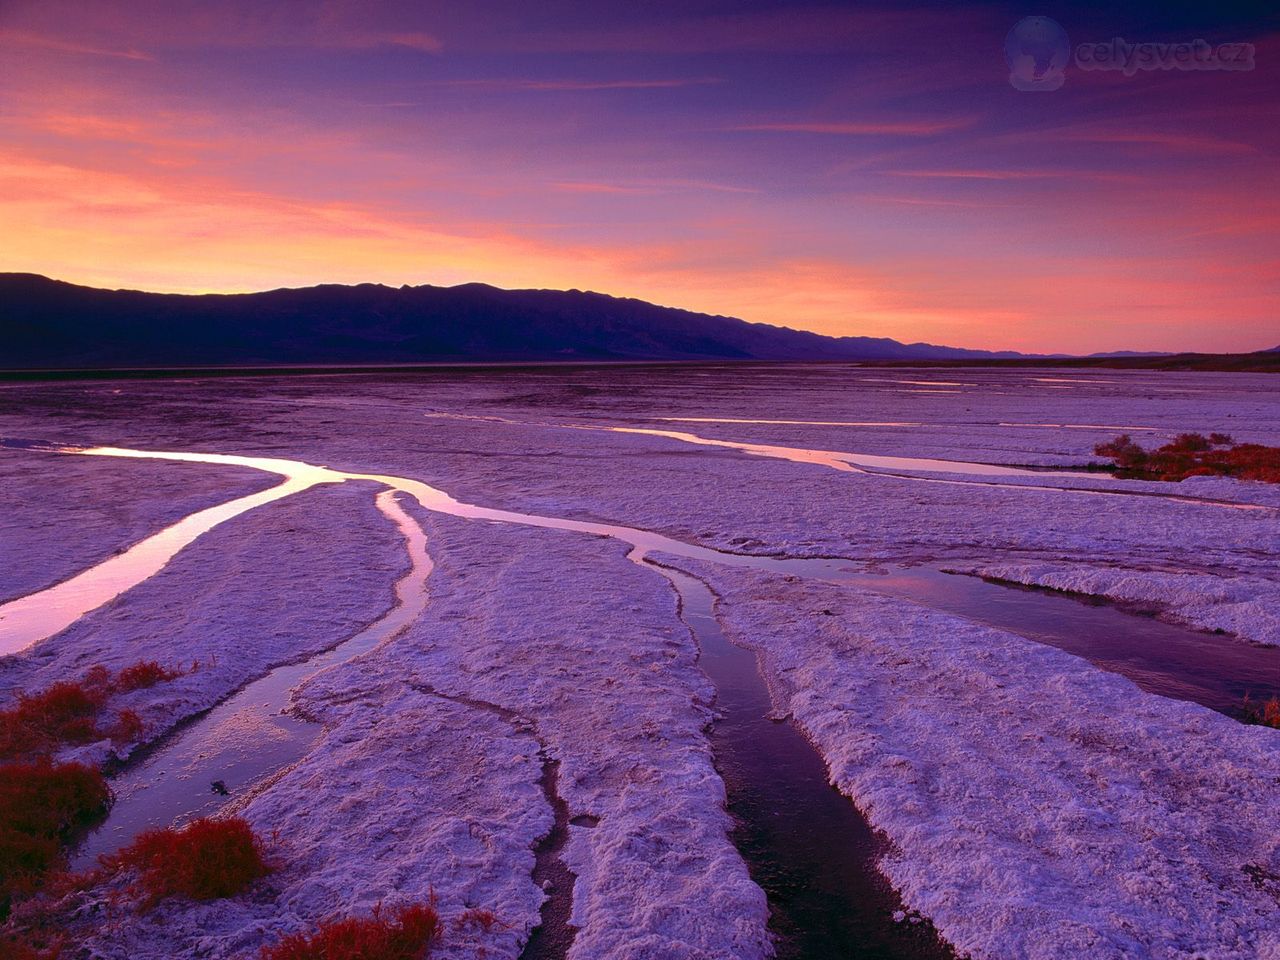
861,170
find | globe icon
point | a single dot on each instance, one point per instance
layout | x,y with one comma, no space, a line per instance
1037,51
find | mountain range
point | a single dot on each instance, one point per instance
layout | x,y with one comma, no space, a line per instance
47,323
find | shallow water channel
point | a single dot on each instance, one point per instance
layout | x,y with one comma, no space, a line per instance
249,735
804,843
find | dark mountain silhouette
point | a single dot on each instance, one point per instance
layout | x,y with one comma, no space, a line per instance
50,324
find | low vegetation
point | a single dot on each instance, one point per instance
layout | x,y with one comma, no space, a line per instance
205,860
408,934
66,713
476,917
1265,714
42,806
74,712
45,804
1193,455
15,947
139,676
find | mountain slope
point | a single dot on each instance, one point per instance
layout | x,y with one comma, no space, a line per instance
48,323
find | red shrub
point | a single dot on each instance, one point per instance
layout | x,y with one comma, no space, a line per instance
1268,714
1187,443
41,722
1192,455
205,860
1127,454
98,679
17,947
141,675
486,920
68,711
409,936
128,727
41,806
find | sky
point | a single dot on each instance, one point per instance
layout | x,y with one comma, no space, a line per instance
851,169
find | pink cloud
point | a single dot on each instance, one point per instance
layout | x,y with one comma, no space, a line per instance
424,42
903,128
1179,141
29,39
996,174
570,85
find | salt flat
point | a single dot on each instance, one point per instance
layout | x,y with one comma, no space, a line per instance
1032,804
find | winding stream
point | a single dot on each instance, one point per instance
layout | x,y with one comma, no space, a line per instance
851,462
900,468
248,735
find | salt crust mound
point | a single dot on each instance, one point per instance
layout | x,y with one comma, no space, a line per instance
536,646
275,586
404,798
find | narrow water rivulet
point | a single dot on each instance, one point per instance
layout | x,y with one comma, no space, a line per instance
804,843
1214,670
247,736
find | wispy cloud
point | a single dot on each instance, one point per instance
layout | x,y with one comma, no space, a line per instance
899,128
928,202
413,41
790,29
243,33
580,84
651,186
998,174
579,186
61,45
1161,141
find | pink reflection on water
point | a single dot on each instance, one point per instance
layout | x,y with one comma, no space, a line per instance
36,616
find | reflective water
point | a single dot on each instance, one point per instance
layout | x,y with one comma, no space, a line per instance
802,423
841,460
247,736
39,615
805,844
1167,659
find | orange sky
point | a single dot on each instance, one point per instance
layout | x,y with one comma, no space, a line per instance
807,176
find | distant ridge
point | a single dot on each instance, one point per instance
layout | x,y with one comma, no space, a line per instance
49,324
1262,361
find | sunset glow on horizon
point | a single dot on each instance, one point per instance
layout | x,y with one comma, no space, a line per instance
854,171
